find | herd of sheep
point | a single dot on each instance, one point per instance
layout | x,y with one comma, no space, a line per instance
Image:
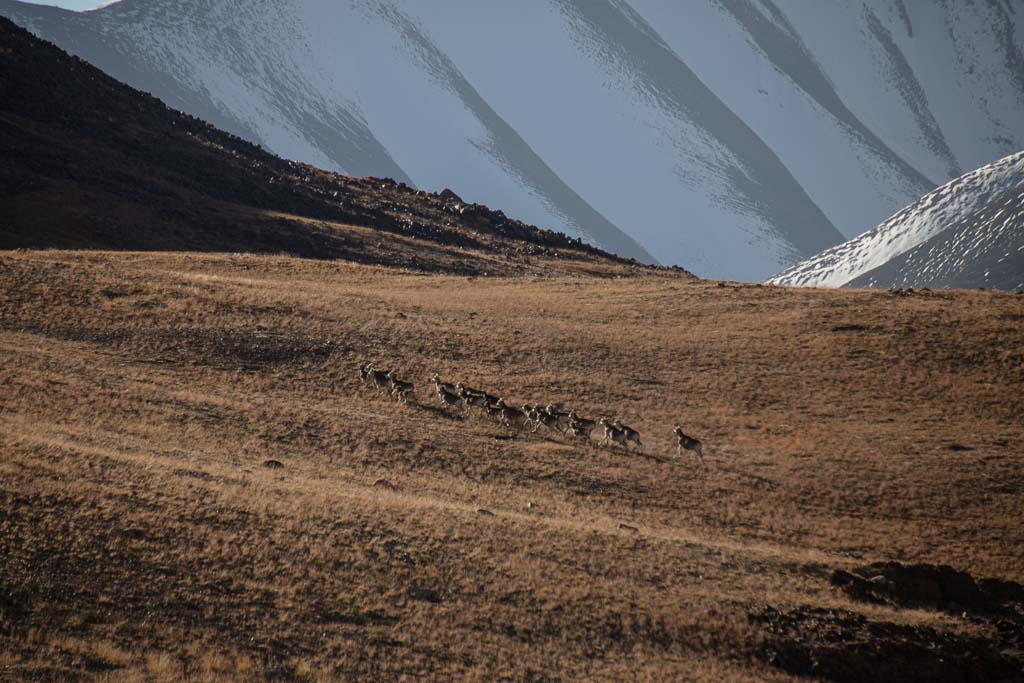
463,399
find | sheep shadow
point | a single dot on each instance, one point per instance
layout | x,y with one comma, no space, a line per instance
653,457
440,412
505,436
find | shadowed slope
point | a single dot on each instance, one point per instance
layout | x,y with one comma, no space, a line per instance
91,163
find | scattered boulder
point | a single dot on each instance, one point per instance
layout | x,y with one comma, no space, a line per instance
447,195
630,529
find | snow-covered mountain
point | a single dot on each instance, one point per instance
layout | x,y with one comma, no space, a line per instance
732,137
968,233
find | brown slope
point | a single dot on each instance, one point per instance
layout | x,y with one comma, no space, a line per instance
142,537
88,162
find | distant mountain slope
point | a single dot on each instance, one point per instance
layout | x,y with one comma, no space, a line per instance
88,162
733,137
968,233
291,75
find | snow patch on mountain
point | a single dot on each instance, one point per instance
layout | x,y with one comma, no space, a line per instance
969,232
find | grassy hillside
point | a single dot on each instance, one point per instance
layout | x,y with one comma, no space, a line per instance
142,534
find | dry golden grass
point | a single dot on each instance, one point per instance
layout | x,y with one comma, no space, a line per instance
142,539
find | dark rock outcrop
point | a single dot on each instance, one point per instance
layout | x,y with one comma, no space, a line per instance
930,586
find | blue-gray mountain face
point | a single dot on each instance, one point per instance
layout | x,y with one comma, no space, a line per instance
732,137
